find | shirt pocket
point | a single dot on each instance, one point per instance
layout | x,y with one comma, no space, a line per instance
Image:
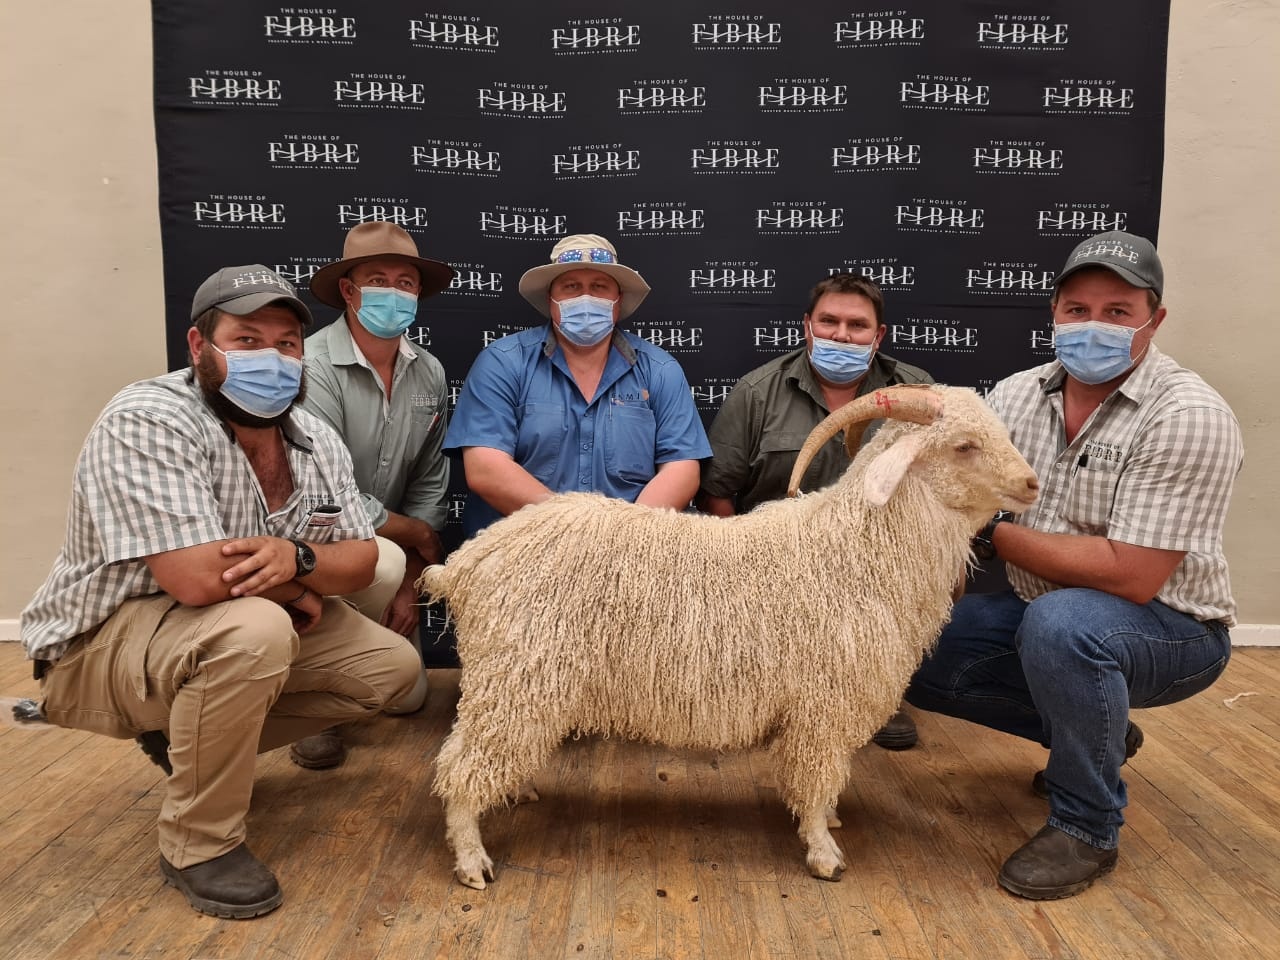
629,450
777,458
539,439
1090,497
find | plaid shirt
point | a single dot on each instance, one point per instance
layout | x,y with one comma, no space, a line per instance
1153,466
159,471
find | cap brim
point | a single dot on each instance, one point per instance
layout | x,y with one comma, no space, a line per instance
240,306
536,284
434,276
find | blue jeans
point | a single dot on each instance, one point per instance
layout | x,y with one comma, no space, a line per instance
1064,670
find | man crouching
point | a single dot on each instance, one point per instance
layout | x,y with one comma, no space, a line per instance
211,523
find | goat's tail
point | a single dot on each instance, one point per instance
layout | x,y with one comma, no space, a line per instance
434,582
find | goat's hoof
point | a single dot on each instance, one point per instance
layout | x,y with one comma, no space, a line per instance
474,875
527,793
826,860
832,877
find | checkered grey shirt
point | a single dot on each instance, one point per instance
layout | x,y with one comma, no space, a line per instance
159,471
1153,466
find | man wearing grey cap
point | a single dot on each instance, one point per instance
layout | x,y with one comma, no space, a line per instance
210,521
1120,595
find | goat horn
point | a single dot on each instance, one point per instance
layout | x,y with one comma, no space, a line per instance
903,402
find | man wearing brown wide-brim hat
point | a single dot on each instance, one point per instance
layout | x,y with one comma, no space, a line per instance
387,397
576,404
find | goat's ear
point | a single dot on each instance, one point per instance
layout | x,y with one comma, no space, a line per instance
886,471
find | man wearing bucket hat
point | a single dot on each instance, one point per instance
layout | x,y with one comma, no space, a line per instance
576,404
388,399
1120,591
210,519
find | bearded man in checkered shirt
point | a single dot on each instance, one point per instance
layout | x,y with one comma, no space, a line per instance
212,523
1120,592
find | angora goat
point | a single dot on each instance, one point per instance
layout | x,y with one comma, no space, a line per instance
799,623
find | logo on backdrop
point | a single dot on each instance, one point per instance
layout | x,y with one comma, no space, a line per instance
312,151
735,156
875,155
662,96
797,218
464,157
522,223
887,273
802,95
534,100
603,35
1009,278
1041,340
777,336
733,276
661,218
1027,157
932,92
1101,98
379,91
398,210
453,517
475,280
925,215
1022,31
879,30
235,87
290,26
671,336
451,31
419,334
736,31
499,330
253,211
300,270
1080,218
928,333
710,392
594,161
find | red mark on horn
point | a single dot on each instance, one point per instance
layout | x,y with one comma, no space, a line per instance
885,401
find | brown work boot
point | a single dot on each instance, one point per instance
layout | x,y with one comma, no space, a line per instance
1132,744
319,752
1052,865
156,746
898,733
236,885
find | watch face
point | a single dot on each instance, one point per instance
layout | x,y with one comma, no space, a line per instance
305,558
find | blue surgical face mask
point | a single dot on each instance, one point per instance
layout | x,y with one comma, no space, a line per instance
840,362
386,312
1094,351
586,320
261,382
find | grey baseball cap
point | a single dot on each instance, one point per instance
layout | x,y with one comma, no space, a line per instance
242,290
1132,258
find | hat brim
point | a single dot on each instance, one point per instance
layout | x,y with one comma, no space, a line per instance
536,284
434,276
242,306
1128,276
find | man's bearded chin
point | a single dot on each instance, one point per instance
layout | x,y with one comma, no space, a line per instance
211,380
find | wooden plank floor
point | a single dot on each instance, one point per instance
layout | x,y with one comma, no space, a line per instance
639,852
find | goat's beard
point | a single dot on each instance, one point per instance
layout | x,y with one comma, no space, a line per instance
210,381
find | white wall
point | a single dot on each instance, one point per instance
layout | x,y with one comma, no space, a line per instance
82,281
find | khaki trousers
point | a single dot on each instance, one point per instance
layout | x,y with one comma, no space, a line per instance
223,682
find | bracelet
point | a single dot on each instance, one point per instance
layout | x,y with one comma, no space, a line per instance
305,591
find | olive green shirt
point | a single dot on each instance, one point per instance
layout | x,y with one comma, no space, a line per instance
767,416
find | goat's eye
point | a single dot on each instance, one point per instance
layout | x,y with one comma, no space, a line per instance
968,446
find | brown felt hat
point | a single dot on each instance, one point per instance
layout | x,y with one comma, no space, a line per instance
377,240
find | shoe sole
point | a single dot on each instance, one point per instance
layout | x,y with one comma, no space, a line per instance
1052,893
315,764
213,908
903,742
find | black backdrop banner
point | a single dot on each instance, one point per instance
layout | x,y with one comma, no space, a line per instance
736,153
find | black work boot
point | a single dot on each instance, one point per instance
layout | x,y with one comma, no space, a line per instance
898,733
1132,744
1052,865
320,751
156,746
236,885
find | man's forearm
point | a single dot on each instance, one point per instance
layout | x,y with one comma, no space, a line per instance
672,486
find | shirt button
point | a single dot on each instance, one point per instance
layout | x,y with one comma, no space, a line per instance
586,446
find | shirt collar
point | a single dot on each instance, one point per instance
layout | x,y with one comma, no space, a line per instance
344,351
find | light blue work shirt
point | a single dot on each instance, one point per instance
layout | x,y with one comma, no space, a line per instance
521,399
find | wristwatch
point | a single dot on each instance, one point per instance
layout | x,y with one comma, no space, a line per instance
983,547
304,558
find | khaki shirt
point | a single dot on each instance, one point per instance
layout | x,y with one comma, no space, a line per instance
764,421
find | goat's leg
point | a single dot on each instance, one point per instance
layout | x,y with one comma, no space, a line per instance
799,757
472,864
